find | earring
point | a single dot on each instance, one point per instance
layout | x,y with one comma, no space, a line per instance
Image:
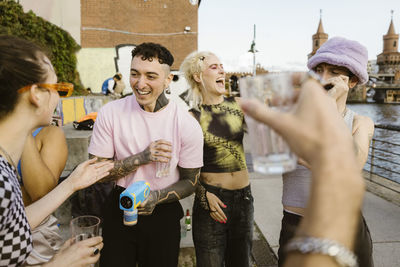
167,90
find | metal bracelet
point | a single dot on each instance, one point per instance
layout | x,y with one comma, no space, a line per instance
343,256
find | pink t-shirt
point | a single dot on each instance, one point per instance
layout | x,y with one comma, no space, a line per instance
123,129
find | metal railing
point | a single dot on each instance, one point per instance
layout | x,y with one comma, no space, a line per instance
384,156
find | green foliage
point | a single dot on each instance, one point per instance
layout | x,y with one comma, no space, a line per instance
58,43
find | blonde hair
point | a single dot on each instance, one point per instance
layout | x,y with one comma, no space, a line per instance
192,65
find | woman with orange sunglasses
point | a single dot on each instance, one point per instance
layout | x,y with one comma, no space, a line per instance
24,65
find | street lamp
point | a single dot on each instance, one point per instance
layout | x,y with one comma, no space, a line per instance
254,51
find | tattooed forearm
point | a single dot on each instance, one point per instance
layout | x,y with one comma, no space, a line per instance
126,166
181,189
201,195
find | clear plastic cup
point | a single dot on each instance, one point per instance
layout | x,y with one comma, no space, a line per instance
270,153
84,227
162,169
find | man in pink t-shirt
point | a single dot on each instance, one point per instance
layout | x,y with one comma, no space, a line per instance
136,132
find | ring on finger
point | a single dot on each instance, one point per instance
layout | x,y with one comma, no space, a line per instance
96,251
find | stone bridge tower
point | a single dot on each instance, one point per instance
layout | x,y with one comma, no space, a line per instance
318,38
389,60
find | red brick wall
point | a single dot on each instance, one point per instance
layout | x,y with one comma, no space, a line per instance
139,16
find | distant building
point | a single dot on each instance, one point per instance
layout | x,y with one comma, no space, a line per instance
109,23
372,67
318,39
389,60
387,80
108,30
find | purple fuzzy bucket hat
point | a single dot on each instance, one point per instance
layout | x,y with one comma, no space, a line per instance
343,52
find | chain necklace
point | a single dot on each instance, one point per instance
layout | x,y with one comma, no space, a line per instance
8,157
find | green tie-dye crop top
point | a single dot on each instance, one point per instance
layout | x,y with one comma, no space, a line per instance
223,129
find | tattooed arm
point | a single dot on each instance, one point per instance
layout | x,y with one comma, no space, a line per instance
181,189
159,150
363,131
123,167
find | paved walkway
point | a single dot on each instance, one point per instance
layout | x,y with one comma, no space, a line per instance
383,219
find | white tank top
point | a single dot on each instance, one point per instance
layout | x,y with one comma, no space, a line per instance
296,184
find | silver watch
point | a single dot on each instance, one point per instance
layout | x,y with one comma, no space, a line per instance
343,256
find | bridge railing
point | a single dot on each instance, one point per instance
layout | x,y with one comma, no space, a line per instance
384,156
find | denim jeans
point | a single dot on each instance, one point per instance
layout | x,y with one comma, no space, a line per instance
224,244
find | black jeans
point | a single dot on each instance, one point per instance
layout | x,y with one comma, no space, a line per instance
219,244
362,246
152,242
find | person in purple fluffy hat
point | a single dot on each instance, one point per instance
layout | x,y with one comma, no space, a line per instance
341,64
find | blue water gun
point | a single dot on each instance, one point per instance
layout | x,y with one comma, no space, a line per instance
131,198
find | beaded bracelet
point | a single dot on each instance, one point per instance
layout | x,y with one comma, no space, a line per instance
343,256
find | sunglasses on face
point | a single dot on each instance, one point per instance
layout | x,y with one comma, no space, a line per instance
63,89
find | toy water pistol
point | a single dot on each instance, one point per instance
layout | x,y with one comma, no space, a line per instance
131,198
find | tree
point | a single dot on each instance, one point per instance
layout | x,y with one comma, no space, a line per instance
59,44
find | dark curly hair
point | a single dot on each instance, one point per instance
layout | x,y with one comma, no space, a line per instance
149,51
19,66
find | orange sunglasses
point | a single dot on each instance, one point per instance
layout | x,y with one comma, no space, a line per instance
63,89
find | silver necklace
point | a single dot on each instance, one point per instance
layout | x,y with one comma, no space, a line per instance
8,157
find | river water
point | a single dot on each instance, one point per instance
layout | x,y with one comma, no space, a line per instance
390,156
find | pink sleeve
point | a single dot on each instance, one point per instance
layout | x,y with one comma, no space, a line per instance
191,154
101,142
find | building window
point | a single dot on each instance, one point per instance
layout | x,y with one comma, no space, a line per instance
317,43
394,43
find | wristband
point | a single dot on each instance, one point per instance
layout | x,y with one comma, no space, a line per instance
343,256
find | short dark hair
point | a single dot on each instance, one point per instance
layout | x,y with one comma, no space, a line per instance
19,66
149,51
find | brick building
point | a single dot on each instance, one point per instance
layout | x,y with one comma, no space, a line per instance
108,30
389,60
387,80
172,23
318,39
111,29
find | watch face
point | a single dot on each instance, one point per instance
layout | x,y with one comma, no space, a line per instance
193,2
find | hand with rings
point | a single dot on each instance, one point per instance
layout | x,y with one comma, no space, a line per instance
77,254
216,206
96,251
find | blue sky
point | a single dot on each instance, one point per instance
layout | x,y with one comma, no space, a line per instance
285,28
